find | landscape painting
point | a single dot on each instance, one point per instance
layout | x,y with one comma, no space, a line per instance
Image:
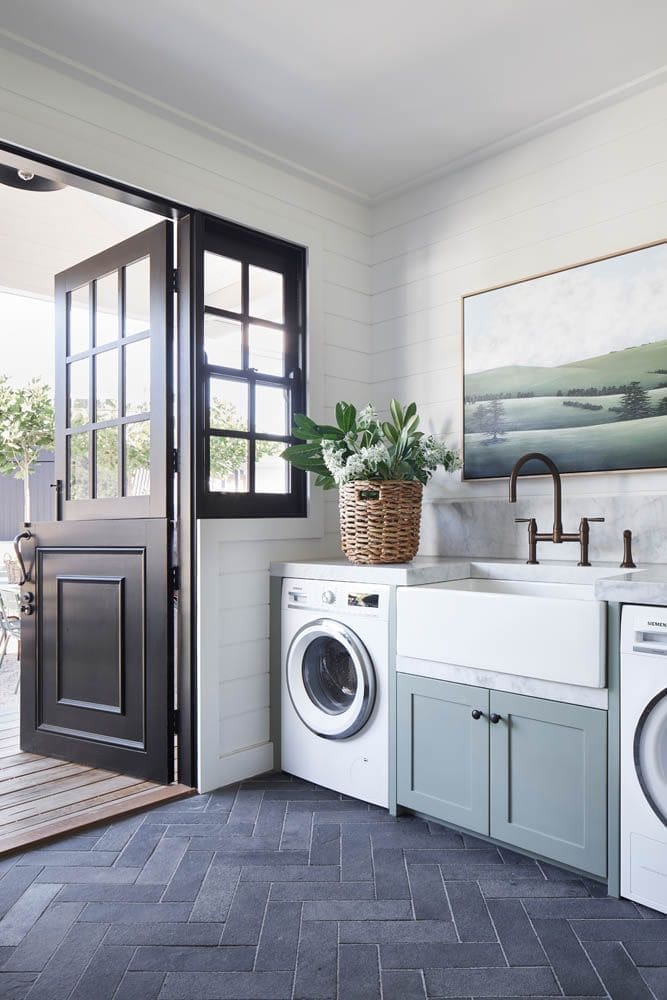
572,364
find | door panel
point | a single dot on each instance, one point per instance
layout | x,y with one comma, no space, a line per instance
97,664
443,751
99,691
549,779
114,426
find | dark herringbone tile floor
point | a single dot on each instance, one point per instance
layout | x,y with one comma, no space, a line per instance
277,889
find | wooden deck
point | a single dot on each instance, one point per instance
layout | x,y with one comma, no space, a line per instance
42,798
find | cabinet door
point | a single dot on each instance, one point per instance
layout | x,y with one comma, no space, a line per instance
549,779
443,752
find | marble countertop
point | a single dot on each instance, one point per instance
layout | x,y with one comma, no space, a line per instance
640,586
439,569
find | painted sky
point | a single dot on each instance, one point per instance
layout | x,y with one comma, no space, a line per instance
579,313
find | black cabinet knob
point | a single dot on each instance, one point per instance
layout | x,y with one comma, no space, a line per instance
495,719
476,714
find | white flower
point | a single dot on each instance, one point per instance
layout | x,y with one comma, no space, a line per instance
367,416
375,455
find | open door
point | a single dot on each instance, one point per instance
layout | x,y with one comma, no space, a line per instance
97,602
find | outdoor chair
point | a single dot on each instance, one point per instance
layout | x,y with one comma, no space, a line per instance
10,628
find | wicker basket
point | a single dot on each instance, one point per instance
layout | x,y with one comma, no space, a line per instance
379,520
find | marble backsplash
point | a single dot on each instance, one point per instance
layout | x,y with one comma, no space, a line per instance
485,527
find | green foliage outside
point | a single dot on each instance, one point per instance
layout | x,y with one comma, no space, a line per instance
26,429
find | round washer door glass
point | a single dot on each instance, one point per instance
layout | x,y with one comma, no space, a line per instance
330,679
651,754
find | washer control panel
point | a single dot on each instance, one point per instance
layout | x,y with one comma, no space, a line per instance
366,600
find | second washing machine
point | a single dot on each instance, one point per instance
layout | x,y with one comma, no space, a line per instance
334,686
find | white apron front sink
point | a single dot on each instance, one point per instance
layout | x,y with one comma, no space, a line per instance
548,631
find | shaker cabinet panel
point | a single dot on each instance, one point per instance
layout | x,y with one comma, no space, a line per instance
443,750
549,779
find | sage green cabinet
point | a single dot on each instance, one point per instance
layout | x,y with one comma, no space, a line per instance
442,751
549,779
535,778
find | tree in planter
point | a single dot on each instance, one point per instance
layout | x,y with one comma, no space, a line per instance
26,428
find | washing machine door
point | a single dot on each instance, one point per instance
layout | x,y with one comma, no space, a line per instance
330,679
650,752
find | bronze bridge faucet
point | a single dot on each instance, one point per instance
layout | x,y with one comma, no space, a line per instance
557,535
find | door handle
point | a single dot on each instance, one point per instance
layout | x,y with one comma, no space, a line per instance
495,718
476,714
19,555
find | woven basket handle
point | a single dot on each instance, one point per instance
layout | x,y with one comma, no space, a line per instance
366,494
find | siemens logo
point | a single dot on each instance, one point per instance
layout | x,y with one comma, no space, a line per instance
657,624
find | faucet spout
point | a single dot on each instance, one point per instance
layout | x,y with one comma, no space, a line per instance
537,456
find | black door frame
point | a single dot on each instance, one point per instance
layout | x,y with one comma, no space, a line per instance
187,219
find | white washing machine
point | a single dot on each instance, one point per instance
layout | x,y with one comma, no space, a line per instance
644,755
334,686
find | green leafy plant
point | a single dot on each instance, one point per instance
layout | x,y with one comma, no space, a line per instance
361,446
26,428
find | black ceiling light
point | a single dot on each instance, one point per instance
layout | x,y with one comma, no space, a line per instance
26,180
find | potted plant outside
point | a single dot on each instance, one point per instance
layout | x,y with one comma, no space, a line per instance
380,468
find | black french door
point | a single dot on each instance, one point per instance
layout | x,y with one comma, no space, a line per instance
97,603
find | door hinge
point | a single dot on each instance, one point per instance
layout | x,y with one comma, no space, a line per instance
175,720
174,459
175,578
174,280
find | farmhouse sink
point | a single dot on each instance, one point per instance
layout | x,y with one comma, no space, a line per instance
548,631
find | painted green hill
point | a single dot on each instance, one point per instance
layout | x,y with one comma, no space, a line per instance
617,368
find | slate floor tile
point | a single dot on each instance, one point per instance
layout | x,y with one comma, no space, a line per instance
317,962
428,893
140,986
164,861
64,969
46,934
656,979
381,909
302,890
16,985
356,857
174,958
515,931
279,937
325,844
469,912
19,919
441,956
246,914
617,971
134,913
227,986
520,887
179,935
187,880
491,983
104,973
358,972
391,877
396,931
398,985
216,893
568,959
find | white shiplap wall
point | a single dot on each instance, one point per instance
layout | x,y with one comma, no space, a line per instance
70,119
587,189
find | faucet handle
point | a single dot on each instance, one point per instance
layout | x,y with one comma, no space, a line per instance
590,519
523,520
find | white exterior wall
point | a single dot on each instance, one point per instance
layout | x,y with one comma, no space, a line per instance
585,190
51,113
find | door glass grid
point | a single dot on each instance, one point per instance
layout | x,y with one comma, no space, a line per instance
108,388
248,391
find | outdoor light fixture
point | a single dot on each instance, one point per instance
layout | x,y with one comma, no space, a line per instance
27,180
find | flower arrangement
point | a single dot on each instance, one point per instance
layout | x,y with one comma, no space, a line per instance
362,447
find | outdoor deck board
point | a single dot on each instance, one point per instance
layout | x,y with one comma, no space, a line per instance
42,798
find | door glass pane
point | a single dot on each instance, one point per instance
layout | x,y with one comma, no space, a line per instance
651,756
137,377
222,282
329,675
138,297
106,309
106,386
271,471
106,462
78,473
228,465
223,341
267,350
78,391
228,405
79,320
266,294
271,410
137,437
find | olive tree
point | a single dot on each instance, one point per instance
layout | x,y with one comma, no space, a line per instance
26,428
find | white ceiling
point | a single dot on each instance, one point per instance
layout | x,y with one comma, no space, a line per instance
370,95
